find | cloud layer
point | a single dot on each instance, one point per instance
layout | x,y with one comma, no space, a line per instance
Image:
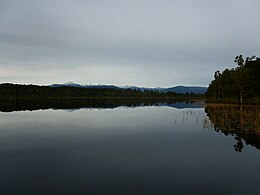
145,43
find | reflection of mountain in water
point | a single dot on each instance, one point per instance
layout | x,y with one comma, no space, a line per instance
182,105
243,122
9,105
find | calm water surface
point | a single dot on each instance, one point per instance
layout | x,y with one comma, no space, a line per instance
130,150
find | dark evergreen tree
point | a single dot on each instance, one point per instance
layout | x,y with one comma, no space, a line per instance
240,84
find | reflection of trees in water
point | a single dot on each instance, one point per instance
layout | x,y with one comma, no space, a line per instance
243,122
239,145
19,104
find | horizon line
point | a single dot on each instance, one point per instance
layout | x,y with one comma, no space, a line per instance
99,84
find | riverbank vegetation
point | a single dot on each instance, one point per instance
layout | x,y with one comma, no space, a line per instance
240,121
237,85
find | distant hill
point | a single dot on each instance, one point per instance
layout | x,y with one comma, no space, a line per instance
71,84
177,89
187,89
143,88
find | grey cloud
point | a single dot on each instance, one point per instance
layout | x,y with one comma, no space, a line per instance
187,38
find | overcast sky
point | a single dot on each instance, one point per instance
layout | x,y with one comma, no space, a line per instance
152,43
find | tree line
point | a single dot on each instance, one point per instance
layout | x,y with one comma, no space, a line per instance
9,90
240,84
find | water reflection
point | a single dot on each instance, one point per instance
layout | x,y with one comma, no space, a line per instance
9,105
242,122
143,150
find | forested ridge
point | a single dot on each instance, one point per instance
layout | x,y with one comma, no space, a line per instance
9,90
240,84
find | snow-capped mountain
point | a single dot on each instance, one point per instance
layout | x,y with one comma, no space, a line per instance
176,89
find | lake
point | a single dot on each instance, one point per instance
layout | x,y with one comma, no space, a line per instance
162,148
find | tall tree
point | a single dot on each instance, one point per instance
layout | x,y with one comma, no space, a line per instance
237,84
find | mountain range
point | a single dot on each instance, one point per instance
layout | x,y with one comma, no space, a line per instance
176,89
